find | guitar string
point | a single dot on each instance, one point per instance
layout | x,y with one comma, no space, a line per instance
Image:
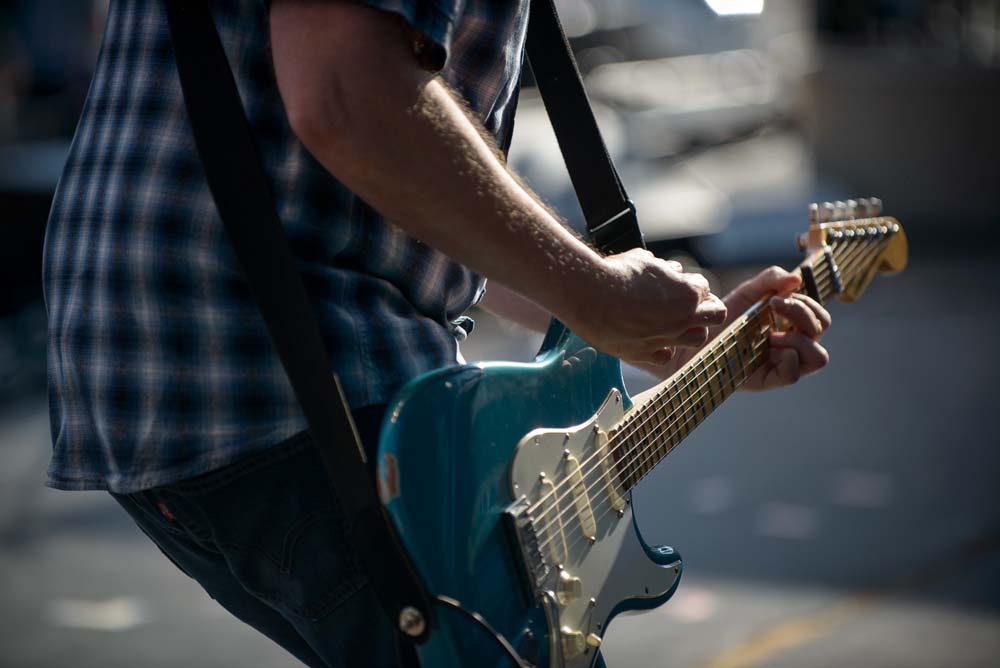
602,498
574,535
656,453
681,421
722,347
654,415
681,416
862,248
747,316
859,256
635,426
649,454
821,273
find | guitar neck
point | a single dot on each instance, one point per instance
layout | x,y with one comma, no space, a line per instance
673,409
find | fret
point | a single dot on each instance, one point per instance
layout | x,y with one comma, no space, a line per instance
684,394
719,373
641,450
729,370
738,348
677,424
640,453
661,427
622,449
670,419
692,395
708,401
696,391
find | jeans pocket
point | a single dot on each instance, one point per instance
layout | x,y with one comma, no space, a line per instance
306,568
275,520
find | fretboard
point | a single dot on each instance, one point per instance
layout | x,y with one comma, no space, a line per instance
689,396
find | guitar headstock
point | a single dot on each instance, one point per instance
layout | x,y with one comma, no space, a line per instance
849,242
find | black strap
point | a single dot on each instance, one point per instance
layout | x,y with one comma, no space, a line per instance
236,178
609,213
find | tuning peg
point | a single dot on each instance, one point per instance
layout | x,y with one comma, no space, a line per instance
840,210
874,206
851,209
826,212
813,214
863,208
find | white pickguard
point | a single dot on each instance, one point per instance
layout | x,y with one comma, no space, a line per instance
612,568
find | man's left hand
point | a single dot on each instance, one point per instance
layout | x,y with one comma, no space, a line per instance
795,352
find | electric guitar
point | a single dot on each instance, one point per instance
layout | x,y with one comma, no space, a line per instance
510,484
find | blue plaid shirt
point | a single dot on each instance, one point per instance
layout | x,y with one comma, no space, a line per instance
160,367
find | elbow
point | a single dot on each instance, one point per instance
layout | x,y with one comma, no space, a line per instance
311,51
335,65
317,117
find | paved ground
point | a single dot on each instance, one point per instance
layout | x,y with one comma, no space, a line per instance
852,520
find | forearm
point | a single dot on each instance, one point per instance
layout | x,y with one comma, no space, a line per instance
397,137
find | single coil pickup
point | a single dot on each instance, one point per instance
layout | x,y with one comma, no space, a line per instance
551,519
616,500
581,501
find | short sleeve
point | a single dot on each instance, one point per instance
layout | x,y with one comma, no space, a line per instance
434,22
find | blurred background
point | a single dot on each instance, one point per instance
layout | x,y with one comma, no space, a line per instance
852,519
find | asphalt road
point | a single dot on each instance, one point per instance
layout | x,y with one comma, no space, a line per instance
850,520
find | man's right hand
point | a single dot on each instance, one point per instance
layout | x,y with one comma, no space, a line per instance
641,307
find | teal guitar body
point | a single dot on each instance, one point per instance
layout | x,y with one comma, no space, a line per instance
460,448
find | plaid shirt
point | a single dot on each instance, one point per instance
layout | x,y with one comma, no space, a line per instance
160,367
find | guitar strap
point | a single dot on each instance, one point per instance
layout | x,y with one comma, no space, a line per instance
609,213
235,175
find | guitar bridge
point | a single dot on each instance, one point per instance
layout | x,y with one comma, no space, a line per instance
535,571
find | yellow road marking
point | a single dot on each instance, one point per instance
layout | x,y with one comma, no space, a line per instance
785,636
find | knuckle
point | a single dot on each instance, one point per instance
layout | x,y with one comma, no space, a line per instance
689,296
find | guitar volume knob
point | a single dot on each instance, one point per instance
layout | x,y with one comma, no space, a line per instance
569,588
573,642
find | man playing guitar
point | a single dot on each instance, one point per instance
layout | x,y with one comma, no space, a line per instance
164,388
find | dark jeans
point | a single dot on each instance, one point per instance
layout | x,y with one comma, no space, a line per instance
265,538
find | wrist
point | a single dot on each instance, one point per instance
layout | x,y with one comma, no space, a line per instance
581,287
